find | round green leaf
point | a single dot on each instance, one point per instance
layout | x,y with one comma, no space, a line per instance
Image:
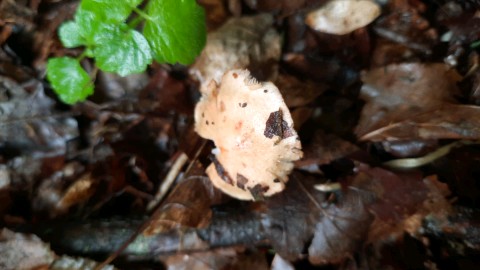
90,28
69,33
110,11
176,30
68,79
122,52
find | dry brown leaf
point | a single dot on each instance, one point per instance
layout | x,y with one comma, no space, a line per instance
400,92
29,122
405,202
188,205
404,23
324,148
303,217
215,11
298,92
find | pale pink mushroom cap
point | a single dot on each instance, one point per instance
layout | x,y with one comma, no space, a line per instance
253,133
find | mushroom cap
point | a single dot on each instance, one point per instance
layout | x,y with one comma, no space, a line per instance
341,17
253,133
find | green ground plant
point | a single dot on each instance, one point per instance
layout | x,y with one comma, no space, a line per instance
172,31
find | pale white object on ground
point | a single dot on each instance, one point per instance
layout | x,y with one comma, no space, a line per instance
253,131
22,251
244,42
341,17
280,263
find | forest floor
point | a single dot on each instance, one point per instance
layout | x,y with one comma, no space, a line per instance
387,114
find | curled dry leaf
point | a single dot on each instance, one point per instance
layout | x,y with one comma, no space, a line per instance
253,131
341,17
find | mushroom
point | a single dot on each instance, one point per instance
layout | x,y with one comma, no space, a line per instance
253,133
341,17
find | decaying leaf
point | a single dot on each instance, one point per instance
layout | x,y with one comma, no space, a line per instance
403,200
404,23
400,92
253,132
324,148
29,123
302,217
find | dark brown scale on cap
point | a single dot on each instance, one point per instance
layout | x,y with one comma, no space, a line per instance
276,126
258,192
241,181
221,171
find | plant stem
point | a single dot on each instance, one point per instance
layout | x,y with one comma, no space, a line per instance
135,22
142,14
81,56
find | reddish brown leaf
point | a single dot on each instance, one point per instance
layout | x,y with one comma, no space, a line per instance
404,24
324,148
400,92
302,214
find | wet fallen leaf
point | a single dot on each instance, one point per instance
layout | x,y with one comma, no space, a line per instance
408,95
404,23
446,122
30,124
324,148
302,217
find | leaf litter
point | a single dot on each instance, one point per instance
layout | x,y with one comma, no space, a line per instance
403,86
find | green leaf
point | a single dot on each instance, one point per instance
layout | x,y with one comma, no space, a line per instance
69,80
70,35
89,26
110,11
176,30
122,51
